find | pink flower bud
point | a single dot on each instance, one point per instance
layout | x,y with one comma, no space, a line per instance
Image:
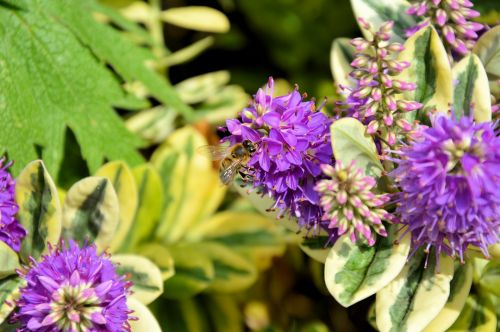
364,24
403,124
391,138
449,34
422,9
371,109
386,26
469,13
372,127
360,62
395,47
360,44
391,103
386,79
388,119
460,47
457,17
382,52
376,94
441,17
341,197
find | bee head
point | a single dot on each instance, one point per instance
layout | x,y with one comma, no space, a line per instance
249,146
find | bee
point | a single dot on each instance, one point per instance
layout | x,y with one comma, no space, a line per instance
233,158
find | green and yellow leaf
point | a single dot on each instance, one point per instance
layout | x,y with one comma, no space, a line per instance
354,272
341,56
9,261
379,11
459,290
91,212
153,125
199,18
471,90
146,320
9,292
350,142
161,257
477,316
199,88
150,203
417,295
430,70
487,48
146,277
490,277
123,182
39,209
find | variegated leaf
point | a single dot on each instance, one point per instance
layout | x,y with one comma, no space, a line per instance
199,88
225,313
490,277
9,261
39,209
123,182
233,272
477,316
187,53
354,272
487,48
245,232
147,281
192,187
417,295
146,321
459,290
350,142
150,203
225,104
430,70
341,56
161,257
153,125
183,315
91,212
9,292
471,91
378,11
198,18
194,271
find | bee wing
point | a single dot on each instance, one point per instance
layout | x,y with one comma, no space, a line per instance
214,152
227,174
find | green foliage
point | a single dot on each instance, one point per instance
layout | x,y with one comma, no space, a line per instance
53,57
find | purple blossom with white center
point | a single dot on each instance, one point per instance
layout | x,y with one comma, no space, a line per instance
73,289
11,232
373,99
349,203
450,186
292,140
451,18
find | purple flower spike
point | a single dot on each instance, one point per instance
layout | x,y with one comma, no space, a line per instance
451,17
11,232
450,187
372,100
349,203
292,139
73,289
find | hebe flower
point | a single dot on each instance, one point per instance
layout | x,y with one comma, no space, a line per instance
349,203
373,100
451,17
292,140
11,232
450,186
73,289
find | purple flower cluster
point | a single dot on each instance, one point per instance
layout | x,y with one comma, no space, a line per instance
452,18
11,232
349,203
73,289
292,140
373,100
450,187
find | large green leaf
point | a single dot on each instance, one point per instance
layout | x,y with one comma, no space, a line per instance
416,296
471,93
123,182
487,49
351,143
490,277
9,292
9,261
162,258
39,209
354,272
378,11
477,316
459,290
146,277
91,212
341,56
429,69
